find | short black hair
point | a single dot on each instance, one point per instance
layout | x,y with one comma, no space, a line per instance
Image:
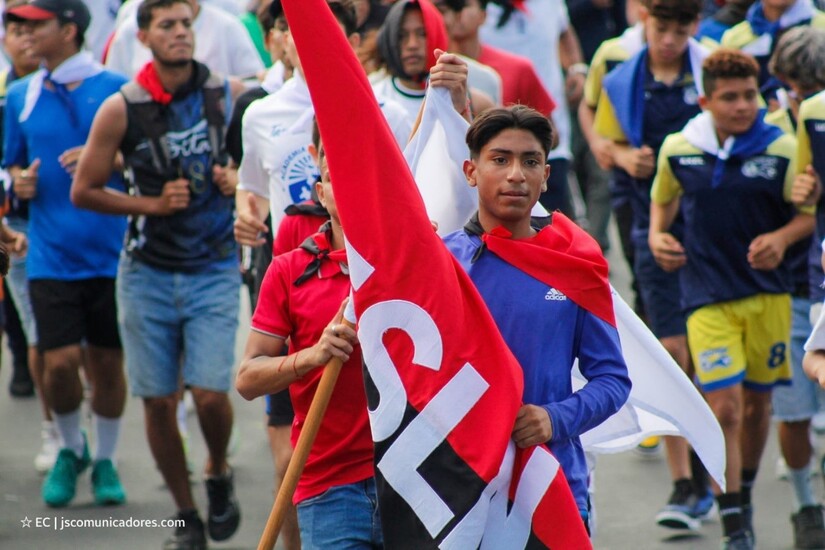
147,8
492,122
344,12
683,12
452,5
10,18
268,14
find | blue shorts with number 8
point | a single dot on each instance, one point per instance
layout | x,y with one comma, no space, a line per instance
745,340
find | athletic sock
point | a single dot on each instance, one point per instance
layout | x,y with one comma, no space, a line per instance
699,475
748,479
107,431
730,510
802,486
180,415
68,426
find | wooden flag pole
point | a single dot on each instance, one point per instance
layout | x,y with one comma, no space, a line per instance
299,456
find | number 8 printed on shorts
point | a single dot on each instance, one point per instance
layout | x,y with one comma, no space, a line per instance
777,355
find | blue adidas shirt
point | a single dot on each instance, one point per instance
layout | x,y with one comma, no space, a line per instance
547,332
65,242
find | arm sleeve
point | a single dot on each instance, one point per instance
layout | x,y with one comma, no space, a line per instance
121,50
14,144
252,175
595,75
790,175
803,140
608,384
606,124
245,61
272,312
665,187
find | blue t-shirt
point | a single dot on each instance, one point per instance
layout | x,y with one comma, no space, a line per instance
547,332
65,242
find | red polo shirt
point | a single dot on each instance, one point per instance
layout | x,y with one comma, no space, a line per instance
519,81
293,231
343,451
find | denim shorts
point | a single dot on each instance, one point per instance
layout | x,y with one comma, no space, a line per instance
344,517
177,327
803,398
18,283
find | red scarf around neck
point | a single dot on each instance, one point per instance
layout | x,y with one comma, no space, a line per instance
563,256
148,78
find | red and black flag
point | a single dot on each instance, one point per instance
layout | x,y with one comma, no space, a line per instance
442,385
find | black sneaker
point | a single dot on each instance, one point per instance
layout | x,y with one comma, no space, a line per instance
747,520
21,384
740,540
678,512
808,527
190,535
224,511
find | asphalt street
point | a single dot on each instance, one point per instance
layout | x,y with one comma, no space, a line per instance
628,489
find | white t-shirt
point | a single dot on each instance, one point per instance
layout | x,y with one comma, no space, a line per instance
534,34
103,24
221,43
276,131
391,88
483,78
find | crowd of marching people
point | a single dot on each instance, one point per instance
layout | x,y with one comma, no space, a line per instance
158,155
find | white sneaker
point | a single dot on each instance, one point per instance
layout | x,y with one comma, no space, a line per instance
45,459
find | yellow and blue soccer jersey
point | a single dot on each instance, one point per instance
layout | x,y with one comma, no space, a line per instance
782,119
664,109
810,133
761,46
797,254
725,205
611,53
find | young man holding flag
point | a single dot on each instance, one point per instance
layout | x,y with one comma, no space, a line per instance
443,388
547,320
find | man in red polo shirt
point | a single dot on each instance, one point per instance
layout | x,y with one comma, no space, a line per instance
519,81
300,294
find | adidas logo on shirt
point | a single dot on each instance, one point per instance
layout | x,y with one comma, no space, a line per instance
555,295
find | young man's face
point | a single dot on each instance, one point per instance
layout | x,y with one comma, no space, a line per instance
510,173
470,19
45,37
667,40
275,40
734,104
413,43
18,45
781,5
324,187
170,36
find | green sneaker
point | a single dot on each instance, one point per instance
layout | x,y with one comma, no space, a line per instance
106,485
61,483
